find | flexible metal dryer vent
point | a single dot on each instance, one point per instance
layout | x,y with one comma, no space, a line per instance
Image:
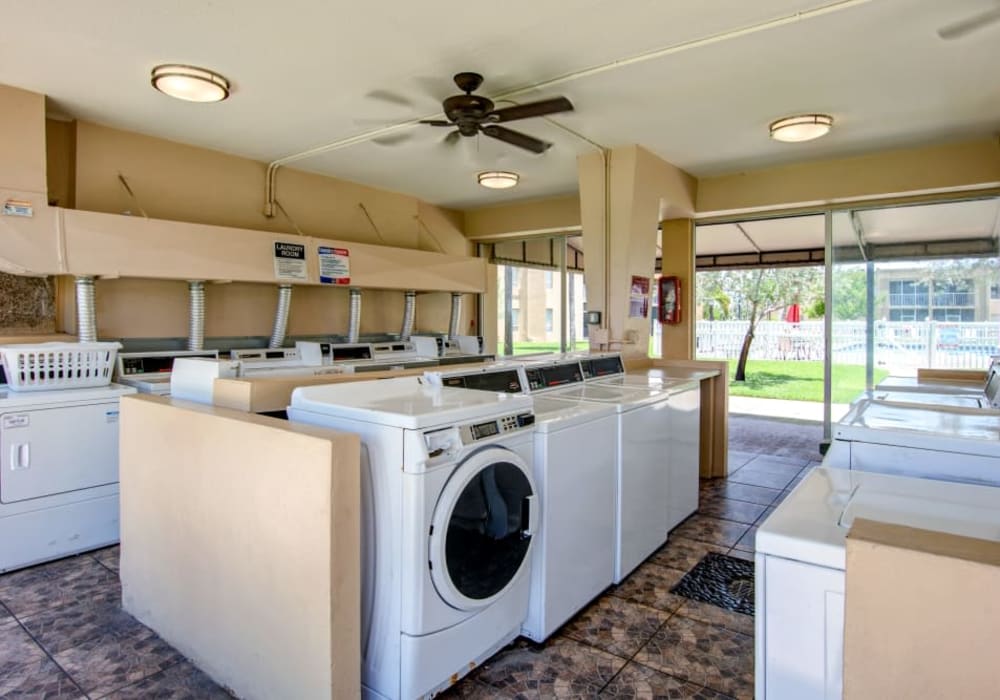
354,320
456,315
281,316
196,315
86,317
409,310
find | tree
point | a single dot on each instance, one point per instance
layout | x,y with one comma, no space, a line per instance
759,292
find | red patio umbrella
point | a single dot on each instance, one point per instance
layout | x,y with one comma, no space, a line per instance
793,314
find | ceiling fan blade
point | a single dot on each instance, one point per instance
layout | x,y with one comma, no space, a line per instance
436,122
390,98
531,109
967,26
516,138
392,139
452,138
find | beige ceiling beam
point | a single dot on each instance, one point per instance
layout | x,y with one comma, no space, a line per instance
969,165
537,217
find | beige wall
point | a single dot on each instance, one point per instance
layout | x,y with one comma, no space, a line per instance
22,140
241,546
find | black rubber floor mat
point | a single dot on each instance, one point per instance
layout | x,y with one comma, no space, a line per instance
720,580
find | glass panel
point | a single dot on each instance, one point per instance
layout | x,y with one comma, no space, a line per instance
485,544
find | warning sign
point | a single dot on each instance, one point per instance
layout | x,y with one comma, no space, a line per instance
334,265
289,261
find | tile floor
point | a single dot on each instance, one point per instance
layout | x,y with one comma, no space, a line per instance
64,635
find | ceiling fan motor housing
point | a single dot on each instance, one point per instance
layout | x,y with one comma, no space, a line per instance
467,112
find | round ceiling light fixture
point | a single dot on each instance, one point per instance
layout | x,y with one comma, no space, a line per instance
803,127
498,179
190,83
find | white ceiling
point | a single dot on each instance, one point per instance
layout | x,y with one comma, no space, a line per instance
307,73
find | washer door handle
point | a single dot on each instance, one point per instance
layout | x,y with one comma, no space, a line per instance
531,504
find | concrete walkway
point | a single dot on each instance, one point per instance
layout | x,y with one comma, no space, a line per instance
779,408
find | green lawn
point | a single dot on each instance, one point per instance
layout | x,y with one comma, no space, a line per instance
525,348
798,380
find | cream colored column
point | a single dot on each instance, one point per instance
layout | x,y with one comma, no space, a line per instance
624,193
678,261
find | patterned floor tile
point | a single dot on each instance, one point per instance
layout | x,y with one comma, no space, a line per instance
728,509
762,479
471,689
780,464
38,680
17,648
562,668
112,661
639,682
56,584
182,681
109,556
748,492
712,530
616,625
62,628
682,553
5,615
711,656
737,458
650,585
746,543
740,554
718,617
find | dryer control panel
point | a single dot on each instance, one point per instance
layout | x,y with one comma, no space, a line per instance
446,442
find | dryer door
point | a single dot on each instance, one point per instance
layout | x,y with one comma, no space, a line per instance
483,526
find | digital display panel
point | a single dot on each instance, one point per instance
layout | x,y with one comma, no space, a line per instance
535,379
275,354
357,352
561,374
603,366
506,382
484,430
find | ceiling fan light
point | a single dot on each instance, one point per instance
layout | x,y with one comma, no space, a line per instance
498,179
189,83
803,127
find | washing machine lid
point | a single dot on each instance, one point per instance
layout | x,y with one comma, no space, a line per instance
679,373
930,386
16,399
552,415
812,523
929,399
921,427
670,385
622,397
406,402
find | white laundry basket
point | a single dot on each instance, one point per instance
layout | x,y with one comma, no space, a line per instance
47,366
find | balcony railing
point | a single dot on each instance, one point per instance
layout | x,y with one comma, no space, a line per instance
940,299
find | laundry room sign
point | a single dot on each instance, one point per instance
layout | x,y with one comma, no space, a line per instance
334,265
289,261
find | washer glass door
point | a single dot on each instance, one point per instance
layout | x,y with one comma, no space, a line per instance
483,527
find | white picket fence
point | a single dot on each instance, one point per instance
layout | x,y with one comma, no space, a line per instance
898,344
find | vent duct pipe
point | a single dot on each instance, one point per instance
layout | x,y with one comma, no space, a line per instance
456,315
196,315
354,321
86,317
409,309
281,316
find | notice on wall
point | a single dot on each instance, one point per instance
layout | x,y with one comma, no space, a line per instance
638,297
334,265
289,261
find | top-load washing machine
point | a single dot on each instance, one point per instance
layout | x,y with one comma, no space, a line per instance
683,428
940,386
449,512
988,397
931,442
149,372
642,446
800,564
575,471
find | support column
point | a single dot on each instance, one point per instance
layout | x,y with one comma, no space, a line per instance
678,260
624,193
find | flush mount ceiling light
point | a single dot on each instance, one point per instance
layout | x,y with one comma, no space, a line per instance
804,127
498,179
190,83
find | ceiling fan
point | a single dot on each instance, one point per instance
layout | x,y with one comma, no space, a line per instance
474,114
959,29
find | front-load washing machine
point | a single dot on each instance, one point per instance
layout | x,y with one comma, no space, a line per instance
799,566
575,471
940,442
449,512
149,372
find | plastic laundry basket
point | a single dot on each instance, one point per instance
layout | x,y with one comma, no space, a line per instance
47,366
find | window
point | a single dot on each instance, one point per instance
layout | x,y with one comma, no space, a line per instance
995,291
515,318
548,320
548,282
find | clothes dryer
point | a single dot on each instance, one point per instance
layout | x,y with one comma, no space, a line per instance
450,513
800,563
